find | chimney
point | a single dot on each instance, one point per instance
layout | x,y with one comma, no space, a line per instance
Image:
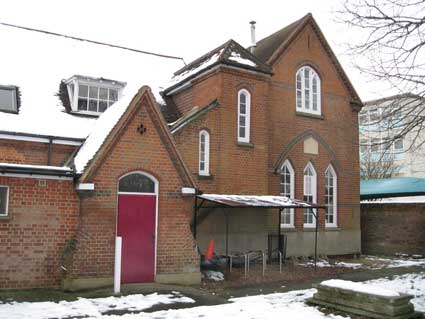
253,43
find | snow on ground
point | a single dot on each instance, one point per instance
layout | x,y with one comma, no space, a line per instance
370,262
278,305
413,284
93,308
395,262
326,264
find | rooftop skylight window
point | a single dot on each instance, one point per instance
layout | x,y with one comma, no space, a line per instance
8,99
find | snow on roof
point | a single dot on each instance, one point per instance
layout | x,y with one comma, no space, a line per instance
104,125
37,63
235,56
192,71
359,287
38,167
254,200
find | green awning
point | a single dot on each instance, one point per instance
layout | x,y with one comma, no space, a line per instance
392,187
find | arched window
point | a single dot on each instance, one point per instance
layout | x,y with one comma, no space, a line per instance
136,183
331,197
308,91
204,153
287,178
310,193
244,115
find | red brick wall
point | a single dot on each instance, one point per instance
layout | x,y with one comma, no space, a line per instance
94,256
393,228
274,126
33,153
42,219
338,128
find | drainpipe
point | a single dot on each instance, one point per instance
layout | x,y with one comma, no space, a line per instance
49,152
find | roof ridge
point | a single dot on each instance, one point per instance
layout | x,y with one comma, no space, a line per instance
201,58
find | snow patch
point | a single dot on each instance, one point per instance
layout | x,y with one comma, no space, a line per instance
93,308
213,275
359,287
234,56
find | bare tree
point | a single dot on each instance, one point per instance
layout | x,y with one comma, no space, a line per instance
381,166
392,51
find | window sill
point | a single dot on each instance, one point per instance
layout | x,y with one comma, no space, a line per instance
205,177
310,115
5,218
310,228
244,144
288,228
332,228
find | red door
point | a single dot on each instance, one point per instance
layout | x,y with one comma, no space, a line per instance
136,226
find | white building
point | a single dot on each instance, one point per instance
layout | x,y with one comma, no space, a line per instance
392,136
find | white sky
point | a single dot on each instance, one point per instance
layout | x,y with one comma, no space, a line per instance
183,28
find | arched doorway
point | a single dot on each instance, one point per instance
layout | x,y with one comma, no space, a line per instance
136,225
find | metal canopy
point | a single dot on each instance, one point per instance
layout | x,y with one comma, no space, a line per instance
257,201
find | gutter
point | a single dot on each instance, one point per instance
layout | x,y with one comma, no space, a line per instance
41,138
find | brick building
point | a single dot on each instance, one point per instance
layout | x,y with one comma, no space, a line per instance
279,118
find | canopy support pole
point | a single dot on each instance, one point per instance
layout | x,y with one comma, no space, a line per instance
195,217
226,215
279,230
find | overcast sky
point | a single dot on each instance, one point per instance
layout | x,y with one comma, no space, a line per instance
183,28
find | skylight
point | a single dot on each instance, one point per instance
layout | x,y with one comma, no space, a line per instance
8,99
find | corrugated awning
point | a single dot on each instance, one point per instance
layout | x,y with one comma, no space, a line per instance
392,187
259,201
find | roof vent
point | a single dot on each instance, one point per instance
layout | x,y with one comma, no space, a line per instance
253,42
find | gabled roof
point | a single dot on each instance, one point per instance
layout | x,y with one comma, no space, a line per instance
270,48
229,53
113,121
191,116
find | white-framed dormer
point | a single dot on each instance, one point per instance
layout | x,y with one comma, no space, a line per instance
92,96
204,153
244,116
287,188
310,194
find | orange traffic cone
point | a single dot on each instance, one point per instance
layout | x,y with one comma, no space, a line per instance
210,250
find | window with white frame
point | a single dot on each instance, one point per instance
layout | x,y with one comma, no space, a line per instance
331,197
244,115
4,200
310,193
308,91
92,95
287,178
204,153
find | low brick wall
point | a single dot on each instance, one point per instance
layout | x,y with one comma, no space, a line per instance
393,228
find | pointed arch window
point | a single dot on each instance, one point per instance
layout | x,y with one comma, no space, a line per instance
331,197
204,153
287,178
310,193
244,116
308,91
